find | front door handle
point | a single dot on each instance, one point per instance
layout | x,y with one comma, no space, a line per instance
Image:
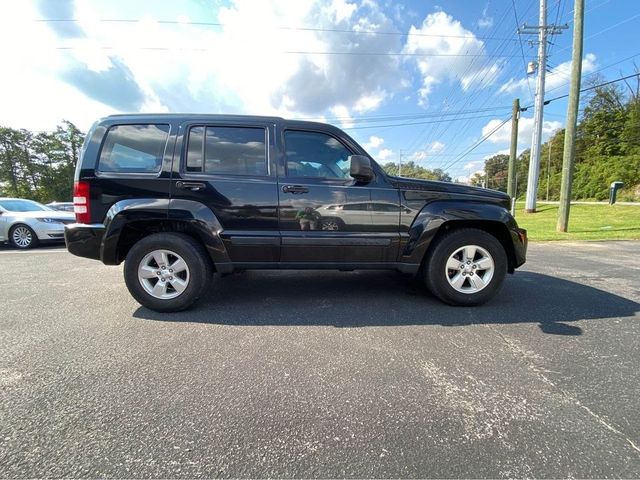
296,189
193,186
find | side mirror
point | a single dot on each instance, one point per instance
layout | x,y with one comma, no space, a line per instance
361,169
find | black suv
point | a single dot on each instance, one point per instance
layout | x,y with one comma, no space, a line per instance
178,197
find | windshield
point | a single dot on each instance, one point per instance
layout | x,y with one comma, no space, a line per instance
23,206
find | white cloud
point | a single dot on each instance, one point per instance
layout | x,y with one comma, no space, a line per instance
419,156
195,68
343,114
558,77
384,154
454,54
374,142
435,147
504,151
466,179
369,102
472,165
485,20
525,130
342,10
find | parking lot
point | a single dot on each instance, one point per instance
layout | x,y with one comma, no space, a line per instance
323,374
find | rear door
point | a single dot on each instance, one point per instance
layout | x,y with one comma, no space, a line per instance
325,215
229,168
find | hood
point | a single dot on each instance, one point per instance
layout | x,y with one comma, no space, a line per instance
43,214
449,187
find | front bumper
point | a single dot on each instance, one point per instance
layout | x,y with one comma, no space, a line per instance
48,231
84,240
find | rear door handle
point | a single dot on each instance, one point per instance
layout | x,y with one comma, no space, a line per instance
194,186
295,189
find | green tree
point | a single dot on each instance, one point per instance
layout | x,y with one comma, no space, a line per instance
412,170
39,166
496,169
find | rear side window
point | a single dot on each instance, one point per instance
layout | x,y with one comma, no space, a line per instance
134,148
227,150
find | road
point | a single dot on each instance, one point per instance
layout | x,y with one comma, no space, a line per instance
323,374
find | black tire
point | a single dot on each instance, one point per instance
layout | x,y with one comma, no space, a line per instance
34,238
436,273
192,252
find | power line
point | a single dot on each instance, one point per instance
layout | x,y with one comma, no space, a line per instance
477,144
604,30
295,52
410,116
597,71
524,61
593,87
304,29
483,139
420,123
474,73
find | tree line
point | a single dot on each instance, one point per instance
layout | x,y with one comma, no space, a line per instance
39,166
607,150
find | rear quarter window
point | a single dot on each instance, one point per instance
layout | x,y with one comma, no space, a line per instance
134,148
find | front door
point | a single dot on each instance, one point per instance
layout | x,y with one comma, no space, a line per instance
325,215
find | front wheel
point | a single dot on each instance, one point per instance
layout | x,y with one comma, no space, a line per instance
466,267
167,272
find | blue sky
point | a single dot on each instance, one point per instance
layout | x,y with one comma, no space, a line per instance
421,78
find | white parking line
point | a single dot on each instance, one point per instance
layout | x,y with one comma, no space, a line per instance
29,252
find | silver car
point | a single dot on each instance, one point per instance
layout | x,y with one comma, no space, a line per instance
25,223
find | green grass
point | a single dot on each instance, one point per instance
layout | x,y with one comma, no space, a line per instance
586,222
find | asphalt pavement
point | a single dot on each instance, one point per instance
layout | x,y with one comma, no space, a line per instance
323,374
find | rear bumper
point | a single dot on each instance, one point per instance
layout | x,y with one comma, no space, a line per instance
520,243
84,240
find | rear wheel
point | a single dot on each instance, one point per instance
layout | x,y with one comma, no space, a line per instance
466,267
167,272
22,236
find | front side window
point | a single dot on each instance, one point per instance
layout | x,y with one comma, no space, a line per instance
227,150
313,154
134,148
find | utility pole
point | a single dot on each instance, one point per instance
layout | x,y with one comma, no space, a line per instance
511,176
572,118
542,30
400,164
549,169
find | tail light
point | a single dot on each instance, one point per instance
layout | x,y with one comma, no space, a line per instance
81,202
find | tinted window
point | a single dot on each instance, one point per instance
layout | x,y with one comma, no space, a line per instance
22,206
385,207
227,150
195,150
311,154
134,148
355,206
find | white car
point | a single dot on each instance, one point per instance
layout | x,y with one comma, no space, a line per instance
25,223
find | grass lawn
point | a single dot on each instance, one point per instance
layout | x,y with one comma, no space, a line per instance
586,222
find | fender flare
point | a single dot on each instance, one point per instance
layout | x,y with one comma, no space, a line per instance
195,216
434,215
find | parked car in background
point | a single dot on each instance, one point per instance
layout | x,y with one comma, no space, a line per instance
25,223
61,206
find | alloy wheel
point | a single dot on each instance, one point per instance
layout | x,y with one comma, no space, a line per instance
22,236
163,274
469,269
